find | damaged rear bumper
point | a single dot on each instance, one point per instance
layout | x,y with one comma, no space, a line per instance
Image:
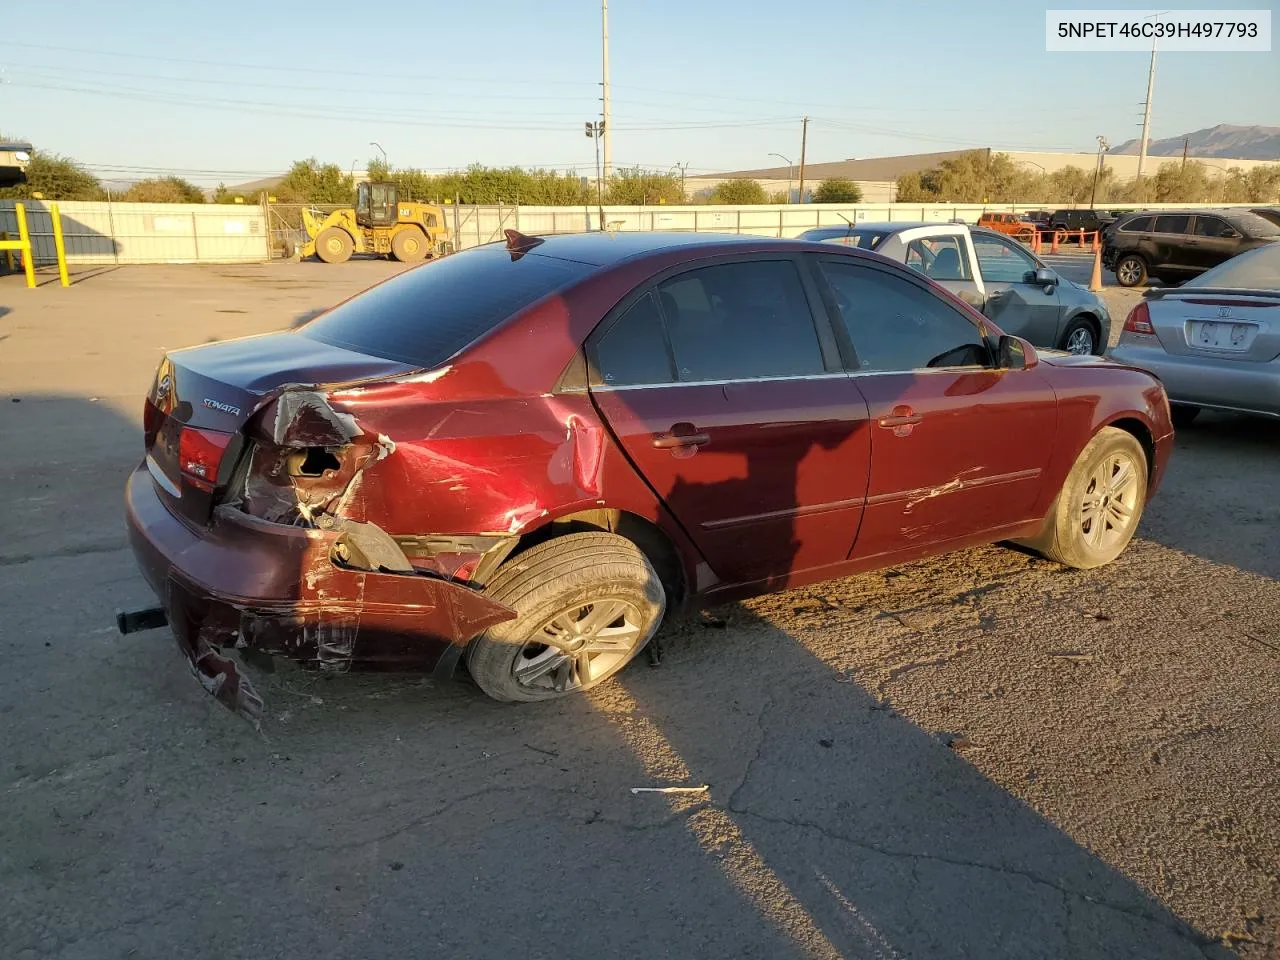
250,584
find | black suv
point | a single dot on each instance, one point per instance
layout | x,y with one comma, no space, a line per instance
1173,245
1080,219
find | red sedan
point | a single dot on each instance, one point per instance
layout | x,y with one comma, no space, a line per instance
527,454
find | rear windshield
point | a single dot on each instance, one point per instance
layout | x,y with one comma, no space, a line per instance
863,239
1256,270
1252,225
426,315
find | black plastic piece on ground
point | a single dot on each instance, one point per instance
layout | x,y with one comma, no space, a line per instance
148,618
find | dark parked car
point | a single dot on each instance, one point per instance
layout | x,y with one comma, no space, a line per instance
527,454
1088,220
1172,245
1268,213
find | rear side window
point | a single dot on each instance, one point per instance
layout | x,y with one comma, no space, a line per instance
426,315
1137,225
740,321
897,326
942,258
1214,227
633,350
1173,223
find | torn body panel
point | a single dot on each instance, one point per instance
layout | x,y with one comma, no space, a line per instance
247,583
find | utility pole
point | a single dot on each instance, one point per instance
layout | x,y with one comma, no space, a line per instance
604,113
1146,111
804,141
682,167
1186,142
595,131
1103,147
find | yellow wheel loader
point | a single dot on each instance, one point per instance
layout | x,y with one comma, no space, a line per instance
381,223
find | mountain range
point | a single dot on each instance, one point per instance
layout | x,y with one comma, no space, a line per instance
1224,140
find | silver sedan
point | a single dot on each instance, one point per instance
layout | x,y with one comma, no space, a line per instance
1215,340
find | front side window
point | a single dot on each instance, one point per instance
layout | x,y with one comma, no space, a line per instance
1173,223
1002,261
895,325
940,258
1137,225
740,321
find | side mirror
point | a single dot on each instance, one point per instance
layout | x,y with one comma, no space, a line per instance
1045,277
1014,353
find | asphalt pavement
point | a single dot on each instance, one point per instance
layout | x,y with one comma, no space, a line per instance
981,755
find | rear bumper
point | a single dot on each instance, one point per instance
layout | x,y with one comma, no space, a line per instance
1209,381
248,584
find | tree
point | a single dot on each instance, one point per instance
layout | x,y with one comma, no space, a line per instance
55,178
738,192
837,190
637,186
309,181
164,190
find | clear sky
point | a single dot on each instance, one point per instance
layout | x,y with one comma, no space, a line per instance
234,90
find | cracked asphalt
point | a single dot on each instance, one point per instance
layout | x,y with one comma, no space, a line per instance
981,755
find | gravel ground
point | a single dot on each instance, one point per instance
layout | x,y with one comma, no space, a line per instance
979,755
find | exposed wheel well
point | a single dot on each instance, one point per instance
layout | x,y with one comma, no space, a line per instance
1143,435
646,535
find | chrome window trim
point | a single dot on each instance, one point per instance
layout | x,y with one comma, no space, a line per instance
973,368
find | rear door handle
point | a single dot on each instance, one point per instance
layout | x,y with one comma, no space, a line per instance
901,420
681,435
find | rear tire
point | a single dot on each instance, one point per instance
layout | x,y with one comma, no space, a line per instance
409,246
1131,270
1183,415
334,245
586,604
1098,509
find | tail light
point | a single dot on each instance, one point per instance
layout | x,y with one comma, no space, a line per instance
1139,321
200,455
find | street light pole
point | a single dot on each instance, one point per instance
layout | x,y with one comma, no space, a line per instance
374,143
791,172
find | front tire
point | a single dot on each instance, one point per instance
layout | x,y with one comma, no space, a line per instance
1097,511
1131,270
585,603
334,245
1080,338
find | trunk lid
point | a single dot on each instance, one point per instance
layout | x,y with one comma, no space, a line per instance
202,398
1236,326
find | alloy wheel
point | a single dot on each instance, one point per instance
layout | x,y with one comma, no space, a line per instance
1110,501
580,644
1080,342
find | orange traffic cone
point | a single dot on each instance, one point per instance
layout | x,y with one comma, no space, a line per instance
1095,281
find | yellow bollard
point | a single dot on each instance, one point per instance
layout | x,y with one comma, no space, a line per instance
28,259
58,246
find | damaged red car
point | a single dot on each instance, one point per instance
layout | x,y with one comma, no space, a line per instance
523,457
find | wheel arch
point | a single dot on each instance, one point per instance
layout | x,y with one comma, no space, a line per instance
657,546
1141,431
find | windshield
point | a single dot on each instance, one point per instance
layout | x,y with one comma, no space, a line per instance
426,315
1256,270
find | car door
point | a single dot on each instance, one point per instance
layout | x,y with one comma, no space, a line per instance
1017,304
1171,245
1212,241
958,447
726,391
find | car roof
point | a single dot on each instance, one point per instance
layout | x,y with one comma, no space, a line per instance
602,249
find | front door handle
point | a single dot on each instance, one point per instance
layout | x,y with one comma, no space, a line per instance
901,420
681,435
